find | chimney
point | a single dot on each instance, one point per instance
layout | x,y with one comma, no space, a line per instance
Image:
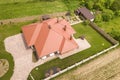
57,20
70,37
64,28
49,26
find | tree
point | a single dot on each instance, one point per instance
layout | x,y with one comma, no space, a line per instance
116,5
115,34
107,15
98,6
98,17
82,3
89,4
108,3
117,13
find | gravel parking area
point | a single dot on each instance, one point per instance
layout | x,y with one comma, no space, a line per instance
22,57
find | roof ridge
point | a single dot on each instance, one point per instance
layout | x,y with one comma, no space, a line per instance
35,34
45,37
62,44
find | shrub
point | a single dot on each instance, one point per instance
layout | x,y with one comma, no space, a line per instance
98,6
98,17
117,13
116,5
108,3
86,22
89,4
107,15
115,34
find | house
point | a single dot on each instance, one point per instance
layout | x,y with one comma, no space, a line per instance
85,13
52,36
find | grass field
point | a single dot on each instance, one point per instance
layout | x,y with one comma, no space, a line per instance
96,41
10,9
5,31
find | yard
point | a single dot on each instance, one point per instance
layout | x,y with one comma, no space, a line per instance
96,41
22,8
92,36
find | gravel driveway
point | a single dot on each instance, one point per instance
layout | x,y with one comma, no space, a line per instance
22,57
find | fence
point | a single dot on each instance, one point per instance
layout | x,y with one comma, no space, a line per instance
105,35
81,62
30,18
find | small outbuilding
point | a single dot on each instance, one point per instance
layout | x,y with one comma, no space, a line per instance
85,13
45,17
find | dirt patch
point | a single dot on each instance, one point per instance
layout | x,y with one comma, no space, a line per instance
29,18
105,67
4,66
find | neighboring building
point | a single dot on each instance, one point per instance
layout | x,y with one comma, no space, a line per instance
52,36
85,13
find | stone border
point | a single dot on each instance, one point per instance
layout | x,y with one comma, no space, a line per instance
81,62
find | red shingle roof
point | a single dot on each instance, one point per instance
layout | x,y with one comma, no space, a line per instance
50,36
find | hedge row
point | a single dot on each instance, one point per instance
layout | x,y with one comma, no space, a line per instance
105,35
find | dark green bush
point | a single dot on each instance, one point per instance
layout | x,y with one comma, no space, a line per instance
116,5
115,34
107,15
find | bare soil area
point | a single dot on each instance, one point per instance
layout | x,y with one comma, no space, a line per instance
4,67
105,67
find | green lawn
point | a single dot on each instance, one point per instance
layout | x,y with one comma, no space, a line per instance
6,31
96,41
9,9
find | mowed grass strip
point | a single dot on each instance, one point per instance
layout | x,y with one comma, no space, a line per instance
94,38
